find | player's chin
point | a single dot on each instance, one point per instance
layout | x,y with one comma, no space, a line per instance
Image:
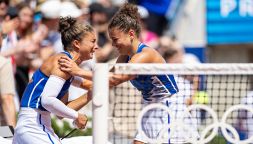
87,57
120,51
91,55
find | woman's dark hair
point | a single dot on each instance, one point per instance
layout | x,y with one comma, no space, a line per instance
5,1
72,30
28,29
22,5
127,18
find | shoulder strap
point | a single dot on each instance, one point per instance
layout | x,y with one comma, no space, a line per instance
68,54
140,47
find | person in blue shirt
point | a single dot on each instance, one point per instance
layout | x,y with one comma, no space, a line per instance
47,91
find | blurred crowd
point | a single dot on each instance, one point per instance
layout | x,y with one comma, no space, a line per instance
29,35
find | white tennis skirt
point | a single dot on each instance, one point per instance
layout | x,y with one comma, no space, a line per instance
154,121
34,127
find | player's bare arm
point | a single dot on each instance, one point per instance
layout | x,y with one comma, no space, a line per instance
87,85
80,102
148,55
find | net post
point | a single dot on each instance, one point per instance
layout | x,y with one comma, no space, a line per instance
100,103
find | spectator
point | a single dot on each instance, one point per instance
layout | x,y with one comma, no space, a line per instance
84,7
156,22
23,45
99,17
9,25
147,37
169,46
50,11
174,53
3,9
7,92
69,8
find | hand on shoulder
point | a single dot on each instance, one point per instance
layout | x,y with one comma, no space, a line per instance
68,65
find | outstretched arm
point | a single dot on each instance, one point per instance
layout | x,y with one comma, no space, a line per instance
143,57
68,65
82,83
78,103
116,79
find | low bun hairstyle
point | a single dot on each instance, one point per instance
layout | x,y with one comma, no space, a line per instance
72,30
127,18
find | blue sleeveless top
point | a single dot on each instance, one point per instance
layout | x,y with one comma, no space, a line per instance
154,87
32,94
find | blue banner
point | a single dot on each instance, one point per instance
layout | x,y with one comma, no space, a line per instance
229,21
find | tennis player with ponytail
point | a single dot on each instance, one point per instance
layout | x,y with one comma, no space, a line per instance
47,91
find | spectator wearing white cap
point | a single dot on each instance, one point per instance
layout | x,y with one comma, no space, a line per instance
69,8
50,11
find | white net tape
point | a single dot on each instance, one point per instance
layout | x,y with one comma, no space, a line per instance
207,69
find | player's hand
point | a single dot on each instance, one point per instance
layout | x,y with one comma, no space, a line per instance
81,121
68,65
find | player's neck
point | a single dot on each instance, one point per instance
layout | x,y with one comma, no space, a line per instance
135,46
76,57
